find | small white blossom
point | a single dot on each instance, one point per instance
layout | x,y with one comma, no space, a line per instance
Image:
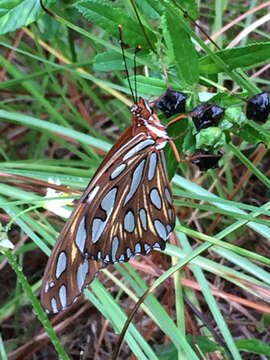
56,206
5,243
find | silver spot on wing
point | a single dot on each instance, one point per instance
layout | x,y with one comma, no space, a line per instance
160,229
168,195
54,305
82,273
156,246
152,166
118,171
115,245
143,218
147,248
135,182
138,248
129,221
121,257
129,253
107,204
169,229
155,198
81,235
61,264
63,296
92,194
140,146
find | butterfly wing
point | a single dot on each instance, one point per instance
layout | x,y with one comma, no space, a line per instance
135,214
125,210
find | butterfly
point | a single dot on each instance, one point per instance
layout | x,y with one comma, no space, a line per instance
126,210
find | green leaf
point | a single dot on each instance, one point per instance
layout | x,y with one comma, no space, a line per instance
108,17
150,8
169,351
233,118
245,56
147,86
191,7
254,133
180,46
18,13
111,61
254,346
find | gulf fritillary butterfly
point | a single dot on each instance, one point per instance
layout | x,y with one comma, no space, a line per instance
126,210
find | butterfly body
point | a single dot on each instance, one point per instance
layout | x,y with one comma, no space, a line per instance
125,210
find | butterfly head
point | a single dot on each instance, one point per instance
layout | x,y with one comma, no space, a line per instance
142,109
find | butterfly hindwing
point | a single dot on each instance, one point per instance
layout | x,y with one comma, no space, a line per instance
68,271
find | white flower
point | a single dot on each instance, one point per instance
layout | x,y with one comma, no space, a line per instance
5,243
56,206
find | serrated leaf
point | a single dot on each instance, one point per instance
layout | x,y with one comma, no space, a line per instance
180,46
108,17
150,8
191,7
245,56
18,13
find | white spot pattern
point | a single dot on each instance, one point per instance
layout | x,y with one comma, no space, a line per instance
152,166
135,182
160,229
122,257
82,273
129,253
168,195
129,221
143,218
93,193
155,198
54,305
61,264
142,145
169,229
156,246
118,171
147,248
138,248
107,205
63,296
115,245
81,235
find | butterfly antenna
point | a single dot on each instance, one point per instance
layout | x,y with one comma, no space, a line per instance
141,25
46,10
138,48
120,28
185,13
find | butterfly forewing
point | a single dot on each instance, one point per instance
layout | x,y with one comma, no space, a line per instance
125,210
